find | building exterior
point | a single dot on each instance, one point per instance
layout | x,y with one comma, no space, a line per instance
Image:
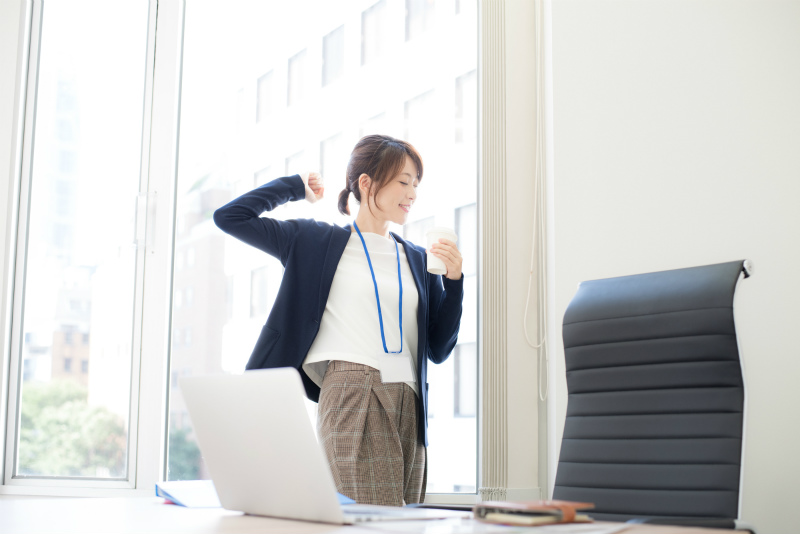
403,68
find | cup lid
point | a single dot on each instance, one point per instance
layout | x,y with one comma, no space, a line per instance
440,230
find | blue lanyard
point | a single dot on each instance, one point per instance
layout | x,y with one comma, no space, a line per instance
378,298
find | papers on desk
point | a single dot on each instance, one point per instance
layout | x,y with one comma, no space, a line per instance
201,493
189,493
468,526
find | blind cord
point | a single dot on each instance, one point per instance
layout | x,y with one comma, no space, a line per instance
537,232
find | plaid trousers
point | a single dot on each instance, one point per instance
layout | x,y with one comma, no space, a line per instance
368,430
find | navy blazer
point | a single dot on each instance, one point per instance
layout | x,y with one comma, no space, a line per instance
310,252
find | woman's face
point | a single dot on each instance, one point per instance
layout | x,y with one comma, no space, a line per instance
394,201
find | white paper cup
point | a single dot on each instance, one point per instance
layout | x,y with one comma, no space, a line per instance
435,265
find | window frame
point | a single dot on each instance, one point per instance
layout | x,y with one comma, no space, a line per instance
155,207
158,164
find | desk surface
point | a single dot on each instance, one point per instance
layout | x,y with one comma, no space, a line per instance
57,515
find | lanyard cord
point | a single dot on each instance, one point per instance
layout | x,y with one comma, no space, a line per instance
378,298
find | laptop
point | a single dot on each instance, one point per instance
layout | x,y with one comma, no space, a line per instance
259,446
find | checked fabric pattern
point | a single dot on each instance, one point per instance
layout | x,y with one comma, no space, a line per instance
368,430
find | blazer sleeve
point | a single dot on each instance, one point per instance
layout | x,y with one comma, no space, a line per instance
242,219
445,297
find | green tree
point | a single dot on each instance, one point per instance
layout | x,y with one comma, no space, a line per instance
62,435
184,456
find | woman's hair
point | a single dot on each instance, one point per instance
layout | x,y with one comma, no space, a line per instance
381,158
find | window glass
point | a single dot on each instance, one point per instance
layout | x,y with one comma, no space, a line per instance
419,17
332,55
264,97
76,328
424,103
297,78
333,159
373,32
261,177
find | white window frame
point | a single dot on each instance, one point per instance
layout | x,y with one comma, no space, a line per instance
155,206
156,209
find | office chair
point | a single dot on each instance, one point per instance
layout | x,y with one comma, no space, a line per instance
655,406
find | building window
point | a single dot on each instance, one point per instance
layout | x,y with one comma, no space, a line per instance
332,55
337,106
67,365
297,78
373,32
296,163
377,124
419,17
466,222
417,113
241,112
263,176
178,302
465,363
467,6
264,97
466,112
332,157
188,294
259,298
84,366
415,231
229,285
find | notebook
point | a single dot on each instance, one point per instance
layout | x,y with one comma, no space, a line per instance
258,443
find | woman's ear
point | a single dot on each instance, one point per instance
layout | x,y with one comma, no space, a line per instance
364,183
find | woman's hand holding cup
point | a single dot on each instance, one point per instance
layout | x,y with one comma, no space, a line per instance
443,254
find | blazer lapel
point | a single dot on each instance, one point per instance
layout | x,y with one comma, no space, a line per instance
416,262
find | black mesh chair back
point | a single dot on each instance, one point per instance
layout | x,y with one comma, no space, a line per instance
655,396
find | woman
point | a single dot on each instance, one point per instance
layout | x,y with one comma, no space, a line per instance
358,315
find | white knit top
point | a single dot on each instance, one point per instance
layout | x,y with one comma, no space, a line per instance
350,329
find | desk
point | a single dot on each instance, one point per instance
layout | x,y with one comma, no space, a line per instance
58,515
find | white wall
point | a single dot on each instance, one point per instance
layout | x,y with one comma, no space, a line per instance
676,142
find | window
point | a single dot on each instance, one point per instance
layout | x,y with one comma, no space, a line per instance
374,125
466,6
116,284
258,292
189,296
327,119
297,78
418,112
77,226
296,164
332,157
419,17
373,32
466,110
332,55
261,177
415,231
466,219
465,360
264,97
241,112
